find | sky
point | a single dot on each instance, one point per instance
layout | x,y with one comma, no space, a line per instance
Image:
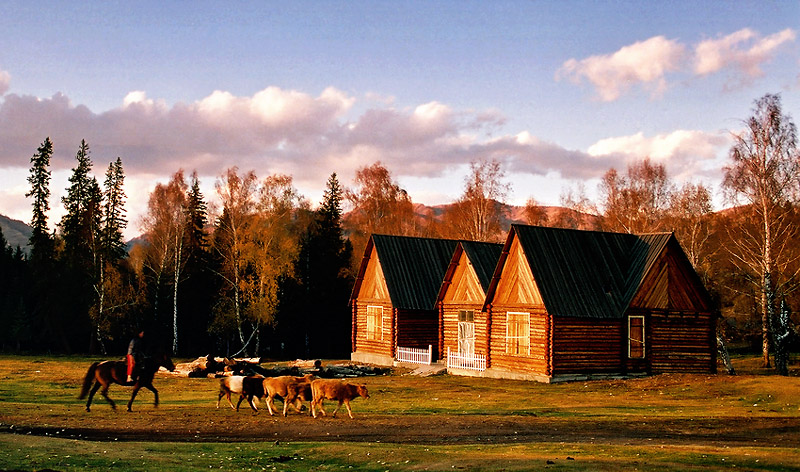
557,92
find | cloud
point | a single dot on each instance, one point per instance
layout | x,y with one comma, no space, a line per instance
652,62
744,50
645,62
309,137
5,82
685,153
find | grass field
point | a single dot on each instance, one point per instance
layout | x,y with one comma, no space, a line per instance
666,422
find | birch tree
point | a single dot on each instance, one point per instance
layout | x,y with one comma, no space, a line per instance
478,213
636,202
762,179
237,195
271,248
165,225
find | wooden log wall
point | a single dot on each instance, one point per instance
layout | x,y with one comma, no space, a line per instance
450,327
681,342
374,346
583,345
537,362
418,329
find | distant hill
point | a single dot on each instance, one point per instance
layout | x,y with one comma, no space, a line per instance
16,232
512,214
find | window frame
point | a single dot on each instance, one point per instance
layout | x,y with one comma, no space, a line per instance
464,314
374,313
514,344
641,341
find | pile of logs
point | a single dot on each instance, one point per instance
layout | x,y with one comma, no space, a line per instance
211,367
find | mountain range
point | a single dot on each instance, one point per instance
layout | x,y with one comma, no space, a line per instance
16,232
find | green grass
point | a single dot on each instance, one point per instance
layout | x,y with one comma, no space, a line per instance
34,452
41,393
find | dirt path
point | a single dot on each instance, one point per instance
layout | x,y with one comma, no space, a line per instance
176,425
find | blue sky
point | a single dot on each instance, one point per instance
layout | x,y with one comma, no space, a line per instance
557,91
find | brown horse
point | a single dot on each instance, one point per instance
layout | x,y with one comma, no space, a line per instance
103,374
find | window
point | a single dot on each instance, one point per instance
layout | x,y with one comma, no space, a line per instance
466,332
375,322
636,337
518,333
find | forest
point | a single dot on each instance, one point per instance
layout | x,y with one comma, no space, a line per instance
270,274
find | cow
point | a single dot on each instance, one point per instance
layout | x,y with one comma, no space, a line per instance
252,389
293,390
228,385
245,387
331,389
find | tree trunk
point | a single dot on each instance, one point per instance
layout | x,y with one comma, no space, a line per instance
765,297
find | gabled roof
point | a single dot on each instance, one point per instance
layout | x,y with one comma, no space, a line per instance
587,274
412,267
482,256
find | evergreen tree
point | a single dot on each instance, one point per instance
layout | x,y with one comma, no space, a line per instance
40,240
80,263
114,221
80,225
323,282
199,283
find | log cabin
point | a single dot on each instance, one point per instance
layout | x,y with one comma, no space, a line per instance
569,304
394,297
463,339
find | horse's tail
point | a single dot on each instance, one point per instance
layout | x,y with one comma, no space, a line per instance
87,381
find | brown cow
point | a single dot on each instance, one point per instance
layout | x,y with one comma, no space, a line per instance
293,390
331,389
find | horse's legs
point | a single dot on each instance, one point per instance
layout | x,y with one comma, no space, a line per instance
133,395
94,389
155,393
104,393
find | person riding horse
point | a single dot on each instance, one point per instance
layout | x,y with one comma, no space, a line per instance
135,356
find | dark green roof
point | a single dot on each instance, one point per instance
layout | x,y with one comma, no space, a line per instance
484,257
588,274
413,268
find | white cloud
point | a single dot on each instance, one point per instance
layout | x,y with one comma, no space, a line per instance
308,137
5,82
645,62
652,62
744,50
685,153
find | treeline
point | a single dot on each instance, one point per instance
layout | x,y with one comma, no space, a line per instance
267,274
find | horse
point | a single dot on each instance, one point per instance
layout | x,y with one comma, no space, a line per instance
103,374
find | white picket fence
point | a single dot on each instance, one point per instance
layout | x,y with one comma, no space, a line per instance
460,361
415,355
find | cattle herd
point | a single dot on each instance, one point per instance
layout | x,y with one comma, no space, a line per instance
292,390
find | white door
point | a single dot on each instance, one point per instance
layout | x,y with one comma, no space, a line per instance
466,338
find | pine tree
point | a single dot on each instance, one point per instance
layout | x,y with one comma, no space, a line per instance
80,226
40,240
199,287
114,221
323,281
80,261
